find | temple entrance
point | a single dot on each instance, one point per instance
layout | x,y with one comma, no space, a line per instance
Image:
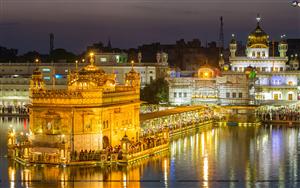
105,142
290,96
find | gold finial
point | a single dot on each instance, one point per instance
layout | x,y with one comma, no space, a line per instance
76,65
92,58
132,63
37,61
258,18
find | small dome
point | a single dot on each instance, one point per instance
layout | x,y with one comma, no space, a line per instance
91,69
233,40
206,72
283,40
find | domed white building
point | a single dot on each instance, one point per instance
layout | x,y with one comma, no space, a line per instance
257,53
275,81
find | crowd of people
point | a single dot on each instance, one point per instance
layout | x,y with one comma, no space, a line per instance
284,113
13,110
134,147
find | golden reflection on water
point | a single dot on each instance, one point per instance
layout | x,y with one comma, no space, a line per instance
240,155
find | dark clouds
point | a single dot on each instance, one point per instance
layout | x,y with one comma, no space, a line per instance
25,24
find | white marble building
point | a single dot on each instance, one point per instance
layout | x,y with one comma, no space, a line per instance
275,80
210,87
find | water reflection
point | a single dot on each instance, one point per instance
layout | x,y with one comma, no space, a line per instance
211,157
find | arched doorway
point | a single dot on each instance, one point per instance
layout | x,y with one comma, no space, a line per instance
105,142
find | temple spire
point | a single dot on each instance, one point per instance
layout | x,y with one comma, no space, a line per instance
132,63
258,19
92,58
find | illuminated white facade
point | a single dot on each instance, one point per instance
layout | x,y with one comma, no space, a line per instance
210,87
257,53
275,81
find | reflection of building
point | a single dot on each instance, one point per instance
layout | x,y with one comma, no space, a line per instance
15,77
275,80
92,113
209,87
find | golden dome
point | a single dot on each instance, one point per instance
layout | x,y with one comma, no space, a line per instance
258,38
88,77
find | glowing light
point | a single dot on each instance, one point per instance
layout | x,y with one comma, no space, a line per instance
92,54
205,172
166,173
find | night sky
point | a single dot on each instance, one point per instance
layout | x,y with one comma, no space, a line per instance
26,24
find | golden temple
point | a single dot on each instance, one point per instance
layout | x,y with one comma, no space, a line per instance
93,113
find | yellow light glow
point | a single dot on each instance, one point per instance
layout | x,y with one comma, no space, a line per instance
206,74
92,54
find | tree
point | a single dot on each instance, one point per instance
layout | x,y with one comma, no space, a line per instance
156,92
62,54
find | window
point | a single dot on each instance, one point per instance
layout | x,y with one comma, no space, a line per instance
46,70
227,95
180,95
258,54
264,69
150,72
263,54
175,94
46,77
233,95
58,76
240,95
151,78
235,68
253,54
184,95
281,68
103,59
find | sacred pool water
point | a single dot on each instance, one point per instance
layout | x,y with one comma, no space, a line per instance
212,157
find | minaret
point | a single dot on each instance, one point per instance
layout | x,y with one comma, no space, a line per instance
221,61
140,57
233,46
283,46
221,35
133,78
294,62
36,82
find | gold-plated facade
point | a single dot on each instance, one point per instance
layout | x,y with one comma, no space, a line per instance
93,113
